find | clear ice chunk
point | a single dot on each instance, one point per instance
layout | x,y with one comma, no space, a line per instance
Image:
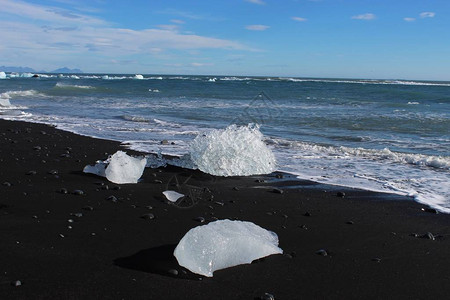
223,244
123,168
97,169
234,151
172,196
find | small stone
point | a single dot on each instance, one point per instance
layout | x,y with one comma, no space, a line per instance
149,207
61,235
267,296
173,272
63,191
16,283
219,203
259,180
89,208
112,198
148,216
78,215
236,188
78,192
115,188
376,259
307,214
31,172
105,187
429,236
303,226
430,210
349,222
37,148
200,219
157,181
53,172
279,176
277,191
340,194
6,183
322,252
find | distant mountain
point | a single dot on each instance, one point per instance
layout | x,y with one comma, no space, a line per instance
66,70
17,69
31,70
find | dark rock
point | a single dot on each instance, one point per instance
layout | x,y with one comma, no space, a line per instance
115,188
78,215
340,194
16,283
200,219
35,76
53,172
430,210
89,208
279,176
31,172
303,226
63,191
267,296
307,214
350,222
105,187
6,183
322,252
173,272
236,188
376,259
259,180
148,216
112,198
157,181
429,236
78,192
277,191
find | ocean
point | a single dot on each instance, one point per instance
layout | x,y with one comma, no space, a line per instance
382,135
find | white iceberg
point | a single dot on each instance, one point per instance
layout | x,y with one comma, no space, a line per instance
234,151
223,244
138,76
119,168
2,75
172,196
123,168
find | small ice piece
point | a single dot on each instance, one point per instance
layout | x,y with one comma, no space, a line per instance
234,151
123,168
97,169
138,76
172,196
2,75
223,244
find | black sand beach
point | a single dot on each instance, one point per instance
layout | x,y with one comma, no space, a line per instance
69,235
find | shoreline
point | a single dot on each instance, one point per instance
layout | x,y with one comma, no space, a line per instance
109,251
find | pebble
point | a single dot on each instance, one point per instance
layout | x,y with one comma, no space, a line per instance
376,259
157,181
322,252
277,191
429,236
78,192
16,283
303,226
236,188
31,172
63,191
78,215
37,148
90,208
112,198
200,219
279,176
350,222
267,296
173,272
6,183
430,210
148,216
307,214
53,172
340,194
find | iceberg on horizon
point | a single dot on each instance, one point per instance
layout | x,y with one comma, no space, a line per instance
223,244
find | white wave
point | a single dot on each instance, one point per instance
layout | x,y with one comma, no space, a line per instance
12,94
135,119
413,103
73,86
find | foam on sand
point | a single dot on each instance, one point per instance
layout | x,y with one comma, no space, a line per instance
223,244
234,151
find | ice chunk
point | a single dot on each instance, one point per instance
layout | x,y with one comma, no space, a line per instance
234,151
2,75
123,168
97,169
172,196
138,76
222,244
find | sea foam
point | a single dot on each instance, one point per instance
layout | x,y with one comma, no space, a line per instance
234,151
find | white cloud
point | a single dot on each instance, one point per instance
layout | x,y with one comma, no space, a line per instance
299,19
196,64
257,27
259,2
409,19
427,14
176,21
170,27
367,17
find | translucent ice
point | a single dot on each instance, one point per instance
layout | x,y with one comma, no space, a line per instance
138,76
222,244
172,196
123,168
234,151
97,169
2,75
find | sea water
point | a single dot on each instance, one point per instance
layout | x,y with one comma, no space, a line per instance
382,135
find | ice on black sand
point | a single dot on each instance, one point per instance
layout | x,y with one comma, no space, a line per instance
223,244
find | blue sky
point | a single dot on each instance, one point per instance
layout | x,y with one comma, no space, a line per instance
403,39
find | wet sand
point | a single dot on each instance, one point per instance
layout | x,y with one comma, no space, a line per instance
69,235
